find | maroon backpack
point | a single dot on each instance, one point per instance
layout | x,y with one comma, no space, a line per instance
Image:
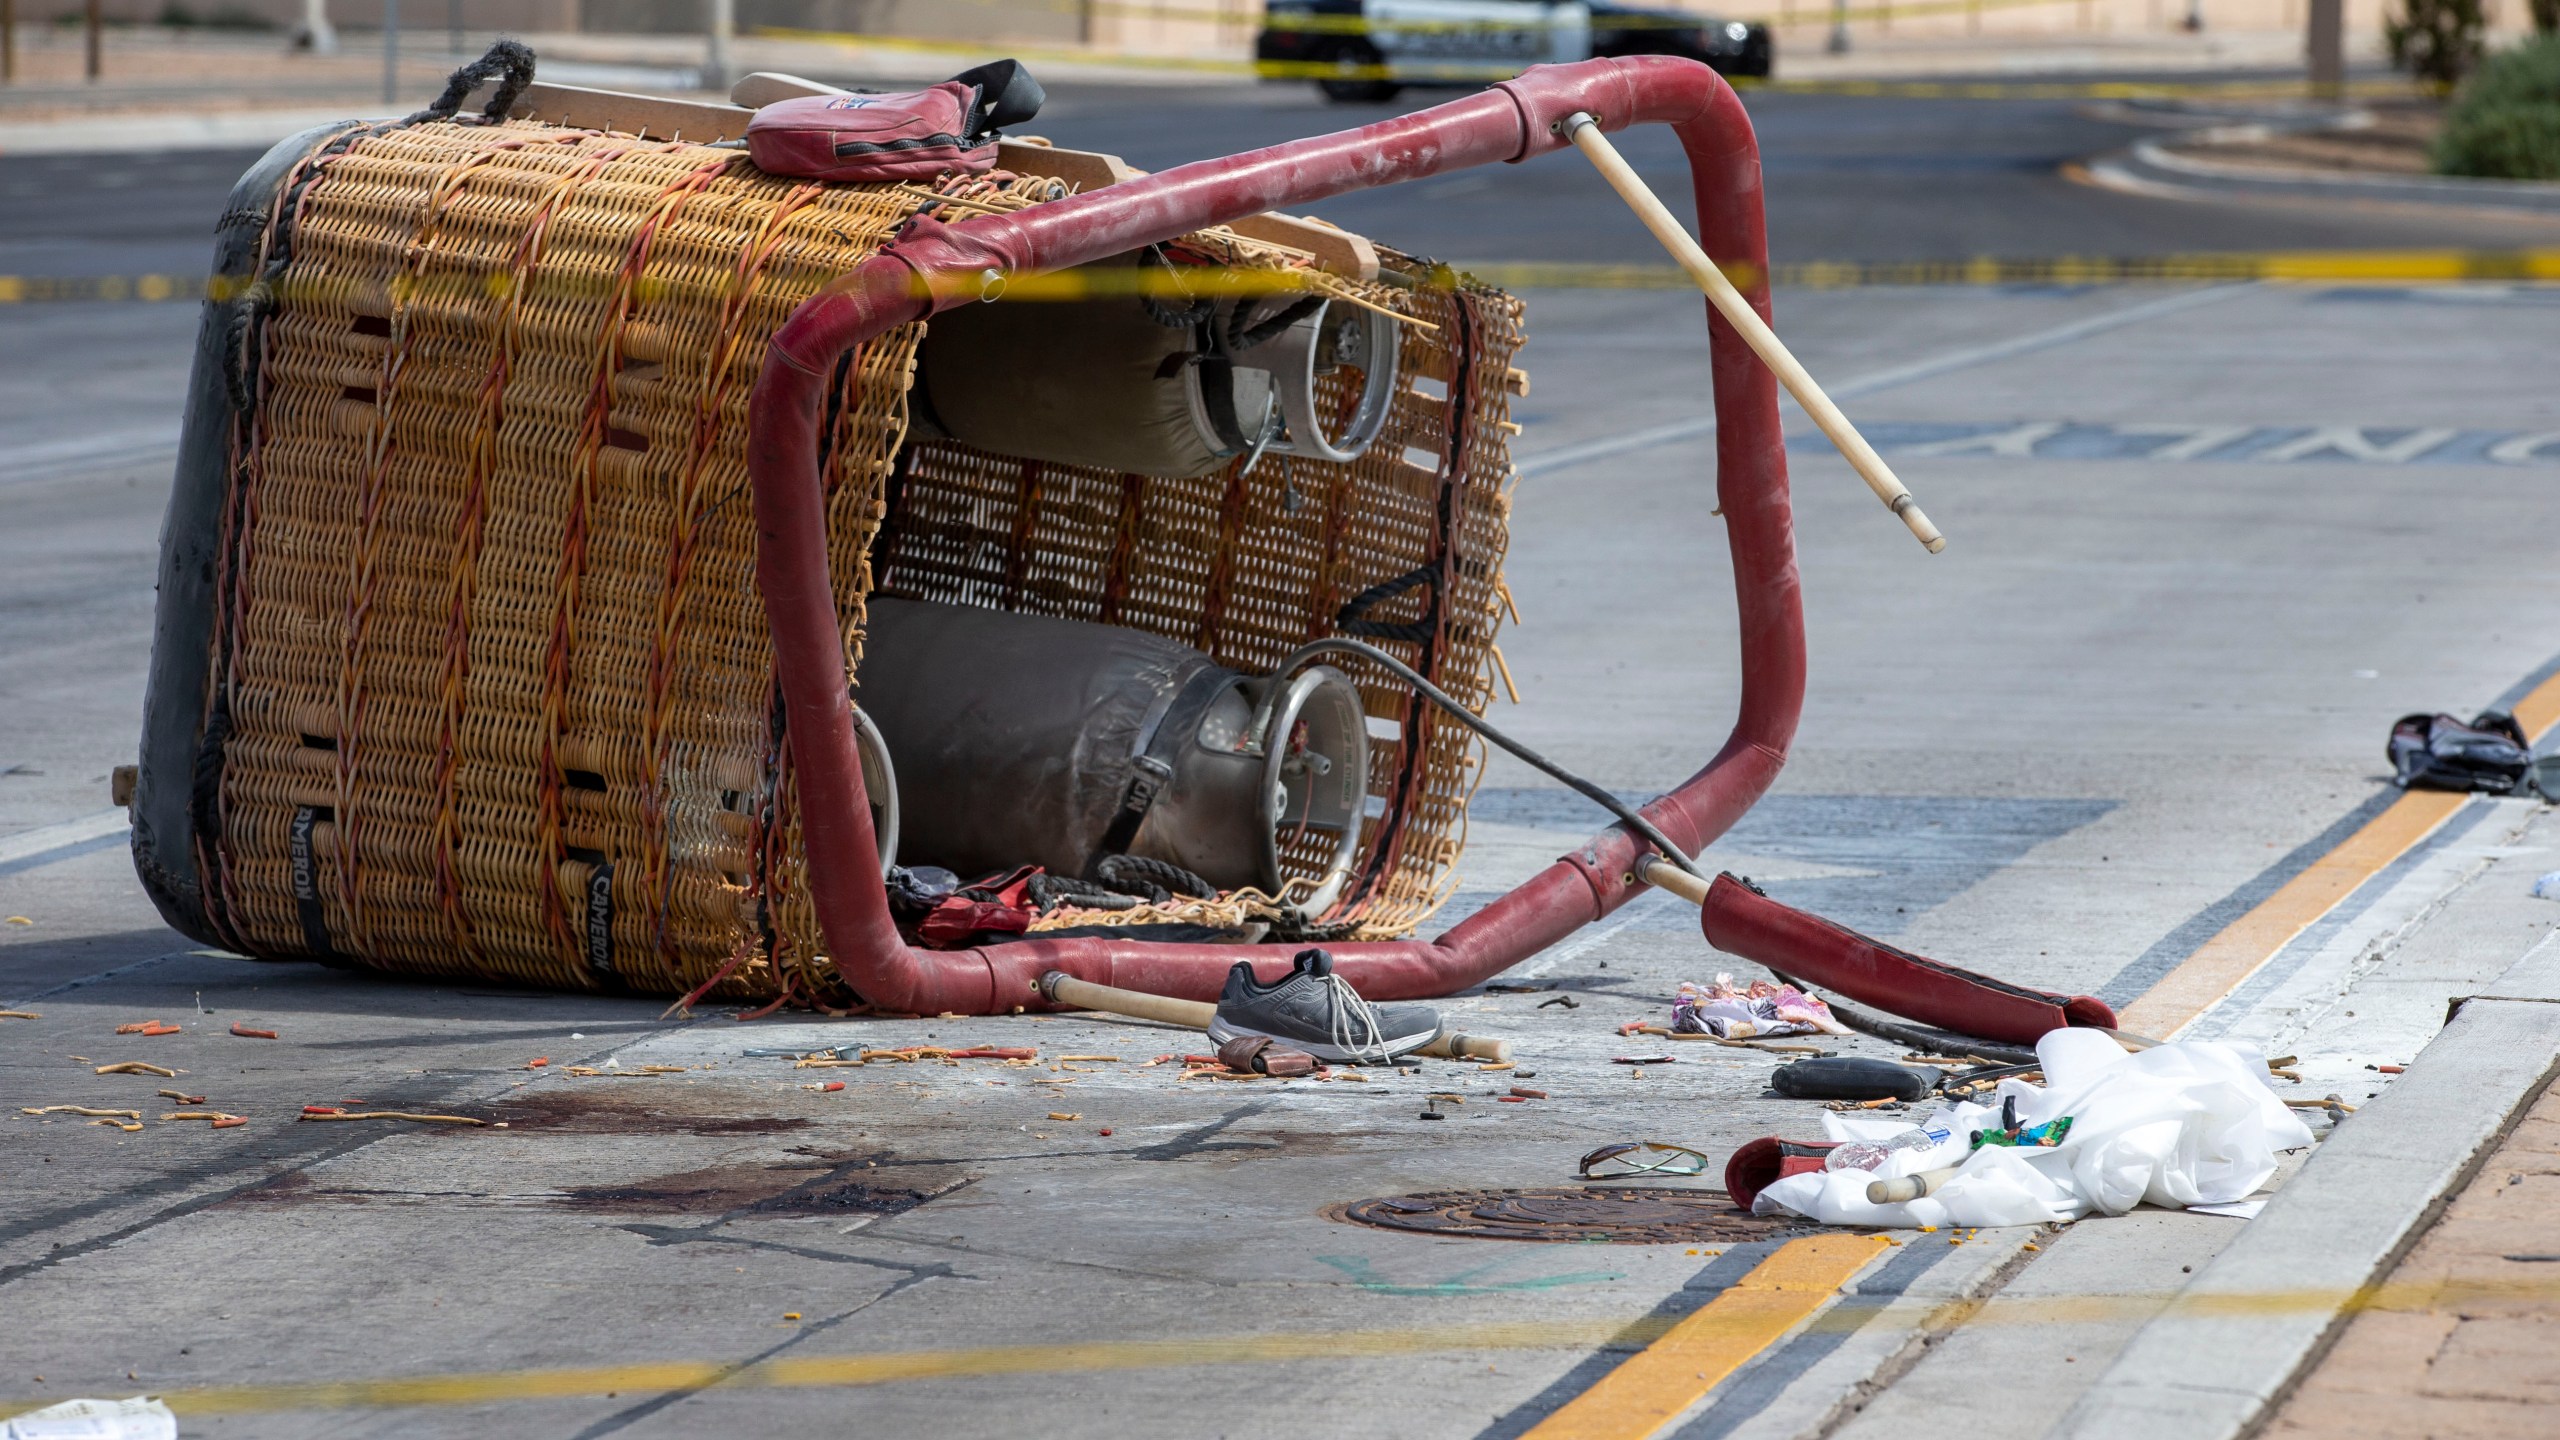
915,135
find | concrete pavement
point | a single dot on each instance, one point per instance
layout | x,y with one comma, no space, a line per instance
2037,753
2200,561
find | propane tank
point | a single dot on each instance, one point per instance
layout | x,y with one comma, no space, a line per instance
1023,739
1126,385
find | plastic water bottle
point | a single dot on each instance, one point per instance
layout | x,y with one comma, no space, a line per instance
1869,1154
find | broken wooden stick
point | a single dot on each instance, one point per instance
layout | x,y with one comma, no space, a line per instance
1910,1187
1065,989
313,1112
1585,134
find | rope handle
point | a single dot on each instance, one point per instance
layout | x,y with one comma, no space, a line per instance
509,62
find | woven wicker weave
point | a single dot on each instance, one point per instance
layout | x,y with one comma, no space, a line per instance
493,691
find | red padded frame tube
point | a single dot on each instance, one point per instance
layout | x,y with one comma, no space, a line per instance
1739,920
933,266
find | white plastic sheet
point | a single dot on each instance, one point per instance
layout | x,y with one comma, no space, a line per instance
140,1418
2189,1123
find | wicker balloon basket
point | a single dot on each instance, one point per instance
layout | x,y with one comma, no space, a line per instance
463,671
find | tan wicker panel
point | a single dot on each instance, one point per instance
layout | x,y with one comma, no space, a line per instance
493,570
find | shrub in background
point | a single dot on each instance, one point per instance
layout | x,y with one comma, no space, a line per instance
2436,40
2505,123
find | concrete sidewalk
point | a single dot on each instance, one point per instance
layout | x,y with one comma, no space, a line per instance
2459,1341
2401,1329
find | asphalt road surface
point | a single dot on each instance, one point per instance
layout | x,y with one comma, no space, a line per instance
2208,542
1848,179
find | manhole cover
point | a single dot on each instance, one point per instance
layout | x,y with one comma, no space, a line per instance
1638,1216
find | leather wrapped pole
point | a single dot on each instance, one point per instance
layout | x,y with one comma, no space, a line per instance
1739,920
934,265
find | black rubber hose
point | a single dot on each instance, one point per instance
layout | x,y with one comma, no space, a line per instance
1626,813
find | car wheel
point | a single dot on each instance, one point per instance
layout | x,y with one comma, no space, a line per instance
1355,56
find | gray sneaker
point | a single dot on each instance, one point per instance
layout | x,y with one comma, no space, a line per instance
1317,1011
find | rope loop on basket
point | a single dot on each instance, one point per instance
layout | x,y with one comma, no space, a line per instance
1150,879
509,62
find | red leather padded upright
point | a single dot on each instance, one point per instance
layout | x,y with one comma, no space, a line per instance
1763,1163
917,135
1807,948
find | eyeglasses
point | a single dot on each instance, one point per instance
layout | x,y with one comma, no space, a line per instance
1642,1157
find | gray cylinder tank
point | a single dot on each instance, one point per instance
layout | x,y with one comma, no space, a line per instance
1021,739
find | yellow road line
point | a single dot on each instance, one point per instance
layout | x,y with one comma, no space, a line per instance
1658,1383
2502,1287
2225,962
2539,710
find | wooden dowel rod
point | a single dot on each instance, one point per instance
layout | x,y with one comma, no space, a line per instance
1755,332
1065,989
1661,874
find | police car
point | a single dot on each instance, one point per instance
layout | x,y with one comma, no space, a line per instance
1367,50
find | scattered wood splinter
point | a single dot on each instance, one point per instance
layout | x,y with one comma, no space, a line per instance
76,1110
323,1112
138,1067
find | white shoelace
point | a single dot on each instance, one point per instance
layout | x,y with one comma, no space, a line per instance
1353,1025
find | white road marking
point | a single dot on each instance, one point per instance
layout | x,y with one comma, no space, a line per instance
49,459
1565,457
2191,441
2217,444
2526,449
2348,443
2017,440
47,843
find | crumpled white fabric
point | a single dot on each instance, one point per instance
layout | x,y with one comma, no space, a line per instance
141,1418
2188,1123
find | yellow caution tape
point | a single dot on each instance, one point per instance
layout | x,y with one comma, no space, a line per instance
2405,267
